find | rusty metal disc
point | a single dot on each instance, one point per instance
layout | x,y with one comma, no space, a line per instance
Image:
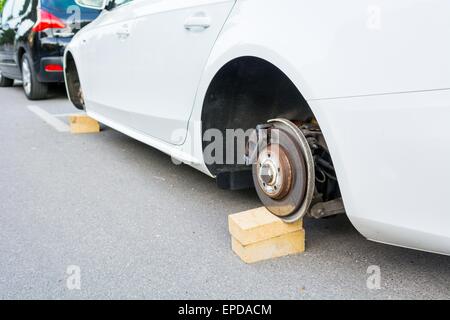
280,173
274,172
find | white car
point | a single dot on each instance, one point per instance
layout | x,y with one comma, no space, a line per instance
350,100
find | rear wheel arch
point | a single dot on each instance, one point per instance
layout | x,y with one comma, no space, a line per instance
20,53
247,91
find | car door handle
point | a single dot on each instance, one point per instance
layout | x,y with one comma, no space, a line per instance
123,33
197,23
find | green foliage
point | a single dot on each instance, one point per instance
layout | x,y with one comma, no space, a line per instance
2,2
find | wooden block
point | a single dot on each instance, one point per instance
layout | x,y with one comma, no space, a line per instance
288,244
83,124
257,225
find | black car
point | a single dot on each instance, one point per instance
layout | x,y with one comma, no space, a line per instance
33,36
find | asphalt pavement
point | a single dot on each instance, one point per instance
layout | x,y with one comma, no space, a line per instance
102,216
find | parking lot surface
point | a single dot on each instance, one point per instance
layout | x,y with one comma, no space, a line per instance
137,226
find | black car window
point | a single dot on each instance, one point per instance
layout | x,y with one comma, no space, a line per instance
58,5
21,7
64,6
7,11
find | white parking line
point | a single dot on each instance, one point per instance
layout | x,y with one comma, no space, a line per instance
50,119
67,115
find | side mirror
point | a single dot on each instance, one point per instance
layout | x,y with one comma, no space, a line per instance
92,4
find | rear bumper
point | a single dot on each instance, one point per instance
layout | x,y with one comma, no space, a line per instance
46,75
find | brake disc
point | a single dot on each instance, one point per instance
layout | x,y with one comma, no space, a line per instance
284,172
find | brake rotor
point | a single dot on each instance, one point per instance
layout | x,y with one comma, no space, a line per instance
274,172
284,172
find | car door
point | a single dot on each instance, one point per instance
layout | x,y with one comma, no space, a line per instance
8,65
104,55
170,44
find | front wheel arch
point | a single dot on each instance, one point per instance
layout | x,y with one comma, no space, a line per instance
73,84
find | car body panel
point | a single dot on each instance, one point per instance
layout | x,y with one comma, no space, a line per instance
391,154
148,73
376,76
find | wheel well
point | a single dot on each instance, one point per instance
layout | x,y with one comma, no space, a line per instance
73,82
20,54
246,92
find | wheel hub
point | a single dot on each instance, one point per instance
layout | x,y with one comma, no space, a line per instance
274,172
268,173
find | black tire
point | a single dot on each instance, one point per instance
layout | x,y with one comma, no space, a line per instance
36,90
5,82
74,90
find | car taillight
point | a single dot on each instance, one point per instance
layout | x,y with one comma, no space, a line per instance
54,68
46,20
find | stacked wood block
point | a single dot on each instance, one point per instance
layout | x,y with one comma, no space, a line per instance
83,124
258,235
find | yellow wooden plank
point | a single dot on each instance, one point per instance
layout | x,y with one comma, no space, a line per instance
83,124
287,244
259,224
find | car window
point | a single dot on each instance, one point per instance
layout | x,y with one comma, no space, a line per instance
21,7
58,5
7,11
118,3
64,6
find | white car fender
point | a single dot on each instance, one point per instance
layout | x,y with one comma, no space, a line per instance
382,176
